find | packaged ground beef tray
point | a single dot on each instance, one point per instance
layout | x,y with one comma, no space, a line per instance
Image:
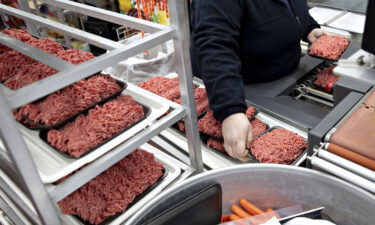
329,47
112,191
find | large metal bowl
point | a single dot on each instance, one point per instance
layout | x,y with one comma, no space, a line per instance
277,186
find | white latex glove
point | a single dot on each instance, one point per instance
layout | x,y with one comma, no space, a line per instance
315,34
237,133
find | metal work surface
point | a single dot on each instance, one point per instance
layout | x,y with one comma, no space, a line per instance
273,97
358,73
273,186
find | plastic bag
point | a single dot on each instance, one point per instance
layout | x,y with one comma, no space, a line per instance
158,61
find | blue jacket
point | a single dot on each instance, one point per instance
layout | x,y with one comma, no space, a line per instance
244,41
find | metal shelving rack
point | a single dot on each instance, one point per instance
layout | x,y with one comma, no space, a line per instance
17,161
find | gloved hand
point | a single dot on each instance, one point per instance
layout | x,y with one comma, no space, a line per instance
237,133
315,34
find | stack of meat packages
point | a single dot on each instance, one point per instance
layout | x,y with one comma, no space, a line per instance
86,131
275,146
112,191
168,88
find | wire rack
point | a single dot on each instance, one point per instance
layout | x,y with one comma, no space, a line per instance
17,161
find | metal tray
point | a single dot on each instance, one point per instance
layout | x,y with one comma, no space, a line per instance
273,128
52,165
215,160
123,86
137,199
43,134
205,138
172,173
328,59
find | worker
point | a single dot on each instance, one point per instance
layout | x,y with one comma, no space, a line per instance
237,42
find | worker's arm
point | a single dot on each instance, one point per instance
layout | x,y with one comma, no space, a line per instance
216,35
310,30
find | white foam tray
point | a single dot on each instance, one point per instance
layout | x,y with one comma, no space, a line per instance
52,165
172,170
216,160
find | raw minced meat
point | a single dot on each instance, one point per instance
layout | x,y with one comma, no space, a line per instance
329,46
218,144
99,125
71,100
278,146
112,191
165,87
22,35
209,125
326,78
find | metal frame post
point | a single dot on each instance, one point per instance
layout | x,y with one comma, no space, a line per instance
180,21
25,166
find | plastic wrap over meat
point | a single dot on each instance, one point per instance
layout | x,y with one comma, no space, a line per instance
99,125
112,191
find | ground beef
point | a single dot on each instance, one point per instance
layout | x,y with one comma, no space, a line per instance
217,144
11,63
326,78
329,46
29,74
250,112
75,56
201,100
22,35
71,100
99,125
209,125
278,146
113,190
46,45
201,103
165,87
258,127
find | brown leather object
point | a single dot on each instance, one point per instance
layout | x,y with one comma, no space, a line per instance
352,156
358,132
370,101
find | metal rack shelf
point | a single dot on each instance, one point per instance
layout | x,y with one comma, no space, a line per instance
17,161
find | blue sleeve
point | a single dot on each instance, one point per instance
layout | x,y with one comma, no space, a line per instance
216,36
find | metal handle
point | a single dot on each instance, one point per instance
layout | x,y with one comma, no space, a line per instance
349,165
343,173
